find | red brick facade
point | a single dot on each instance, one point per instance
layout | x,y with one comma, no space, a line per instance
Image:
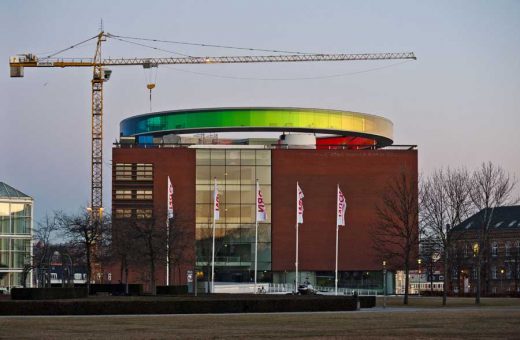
362,176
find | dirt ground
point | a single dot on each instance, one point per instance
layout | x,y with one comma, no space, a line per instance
495,318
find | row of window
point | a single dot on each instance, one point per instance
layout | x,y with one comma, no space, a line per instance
245,233
14,253
15,210
509,271
230,213
131,194
232,174
133,172
233,157
495,249
133,213
19,225
506,272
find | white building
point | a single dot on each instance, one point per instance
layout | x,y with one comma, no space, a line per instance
16,230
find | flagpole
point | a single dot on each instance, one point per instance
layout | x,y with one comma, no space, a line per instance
256,236
168,233
337,228
296,280
296,262
167,250
213,248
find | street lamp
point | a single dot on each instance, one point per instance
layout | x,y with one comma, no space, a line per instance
64,269
501,279
419,278
476,250
384,284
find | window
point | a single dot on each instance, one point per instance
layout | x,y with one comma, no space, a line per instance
475,273
134,172
494,249
144,195
123,172
54,276
507,248
123,213
466,250
123,194
494,272
236,171
144,172
517,246
143,213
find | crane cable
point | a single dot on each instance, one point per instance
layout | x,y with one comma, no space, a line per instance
68,48
339,75
148,46
208,45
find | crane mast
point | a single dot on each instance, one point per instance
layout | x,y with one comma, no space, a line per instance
98,78
101,74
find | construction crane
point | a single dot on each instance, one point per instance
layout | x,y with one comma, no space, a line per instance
101,74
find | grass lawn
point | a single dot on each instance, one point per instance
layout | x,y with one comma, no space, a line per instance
436,302
496,318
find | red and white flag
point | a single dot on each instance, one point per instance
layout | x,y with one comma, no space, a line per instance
299,204
170,198
216,202
261,213
341,208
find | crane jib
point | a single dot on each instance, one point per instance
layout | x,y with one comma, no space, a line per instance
89,62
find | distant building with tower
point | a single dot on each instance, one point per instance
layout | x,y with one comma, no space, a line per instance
500,273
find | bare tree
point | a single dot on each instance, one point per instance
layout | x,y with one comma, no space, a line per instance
491,187
148,236
444,203
179,245
122,249
88,234
396,235
43,250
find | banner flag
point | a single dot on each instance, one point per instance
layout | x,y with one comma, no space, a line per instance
261,213
299,204
170,198
216,202
341,208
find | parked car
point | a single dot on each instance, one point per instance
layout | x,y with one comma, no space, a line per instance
306,288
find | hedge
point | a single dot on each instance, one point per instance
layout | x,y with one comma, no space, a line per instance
172,290
187,305
47,293
116,289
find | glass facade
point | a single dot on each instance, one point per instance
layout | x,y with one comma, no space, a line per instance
15,241
236,172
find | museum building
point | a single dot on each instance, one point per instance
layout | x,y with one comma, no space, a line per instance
276,148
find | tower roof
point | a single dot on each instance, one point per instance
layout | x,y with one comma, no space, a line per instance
507,217
7,191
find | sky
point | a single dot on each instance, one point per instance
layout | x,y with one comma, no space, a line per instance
459,101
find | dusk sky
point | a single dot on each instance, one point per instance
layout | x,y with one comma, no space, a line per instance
459,101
